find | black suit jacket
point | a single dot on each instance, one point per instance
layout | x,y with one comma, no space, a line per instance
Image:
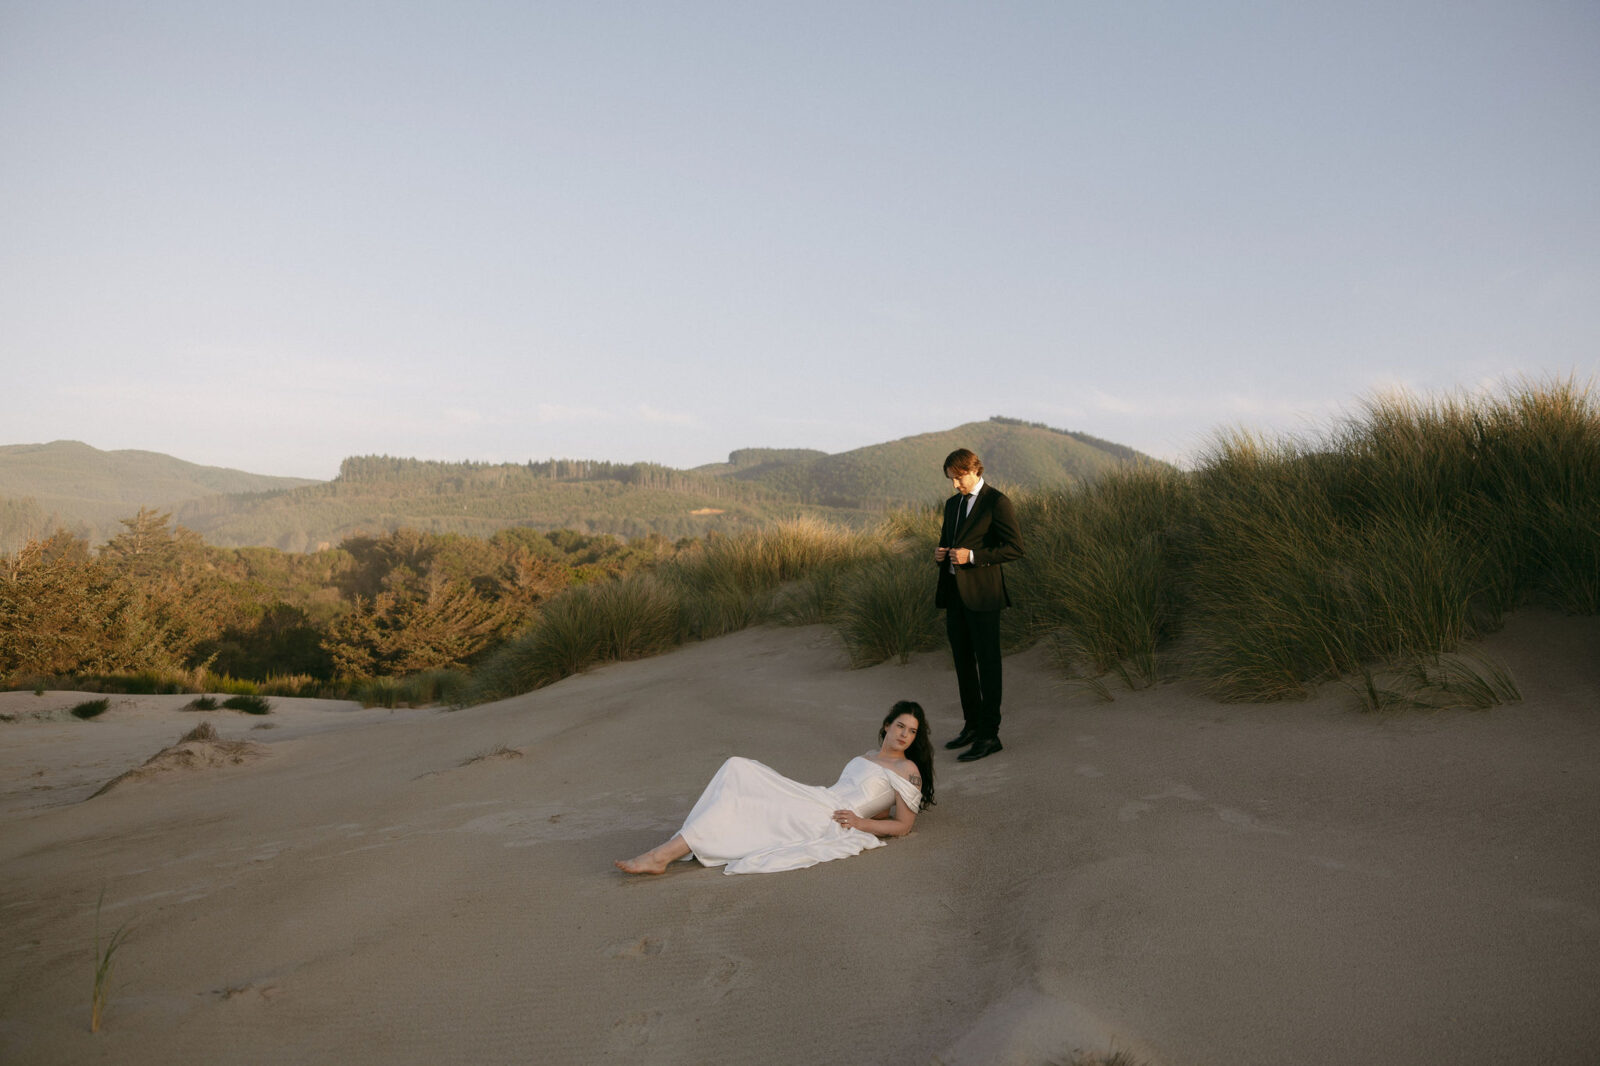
991,531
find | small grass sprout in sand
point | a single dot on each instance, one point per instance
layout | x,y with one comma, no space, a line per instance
1099,1058
202,703
500,752
104,957
248,704
91,709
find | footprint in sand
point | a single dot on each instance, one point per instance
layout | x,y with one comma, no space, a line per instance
1249,822
1241,820
723,971
642,948
637,1029
708,906
1582,917
1131,810
1183,792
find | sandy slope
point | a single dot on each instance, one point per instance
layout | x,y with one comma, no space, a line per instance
1199,883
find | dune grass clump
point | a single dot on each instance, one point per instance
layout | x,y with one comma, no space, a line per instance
1100,1058
248,704
200,679
202,703
413,690
1100,577
719,586
91,709
809,601
630,618
499,751
437,686
1466,681
378,692
1409,532
730,583
205,731
288,685
885,610
1272,595
291,685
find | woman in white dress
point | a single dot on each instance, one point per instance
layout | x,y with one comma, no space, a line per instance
752,819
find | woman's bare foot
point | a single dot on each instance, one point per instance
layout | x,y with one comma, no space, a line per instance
644,864
656,860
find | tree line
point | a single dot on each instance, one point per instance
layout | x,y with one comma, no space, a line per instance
426,476
157,598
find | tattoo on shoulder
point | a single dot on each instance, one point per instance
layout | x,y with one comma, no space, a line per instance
916,779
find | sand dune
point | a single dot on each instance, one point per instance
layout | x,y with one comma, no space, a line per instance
201,748
1192,882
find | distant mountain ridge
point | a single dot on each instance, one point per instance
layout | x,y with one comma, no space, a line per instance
907,471
68,484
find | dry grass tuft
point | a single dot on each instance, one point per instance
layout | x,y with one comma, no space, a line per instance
203,731
1101,1058
500,752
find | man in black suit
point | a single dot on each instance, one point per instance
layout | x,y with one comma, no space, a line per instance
980,533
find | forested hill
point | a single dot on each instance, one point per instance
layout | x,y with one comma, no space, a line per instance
67,484
375,494
1018,455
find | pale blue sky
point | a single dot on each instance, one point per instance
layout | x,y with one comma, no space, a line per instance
271,235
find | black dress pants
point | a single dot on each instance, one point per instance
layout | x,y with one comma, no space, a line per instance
975,644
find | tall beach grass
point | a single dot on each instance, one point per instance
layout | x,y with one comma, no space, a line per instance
1098,577
722,585
1272,567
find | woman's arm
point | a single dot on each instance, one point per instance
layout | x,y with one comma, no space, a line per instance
897,822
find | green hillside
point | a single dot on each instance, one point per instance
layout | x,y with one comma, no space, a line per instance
1017,455
375,494
748,459
69,484
87,491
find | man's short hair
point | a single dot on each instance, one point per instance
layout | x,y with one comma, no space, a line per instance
964,461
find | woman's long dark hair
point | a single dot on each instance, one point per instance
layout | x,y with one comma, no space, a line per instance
921,750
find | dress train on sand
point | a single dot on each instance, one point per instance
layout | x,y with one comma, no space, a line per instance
752,819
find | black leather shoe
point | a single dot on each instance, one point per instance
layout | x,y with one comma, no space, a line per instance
963,738
981,748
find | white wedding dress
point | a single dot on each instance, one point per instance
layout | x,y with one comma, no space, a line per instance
754,820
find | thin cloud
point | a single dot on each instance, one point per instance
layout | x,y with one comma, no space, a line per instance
669,418
561,414
466,416
1104,401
